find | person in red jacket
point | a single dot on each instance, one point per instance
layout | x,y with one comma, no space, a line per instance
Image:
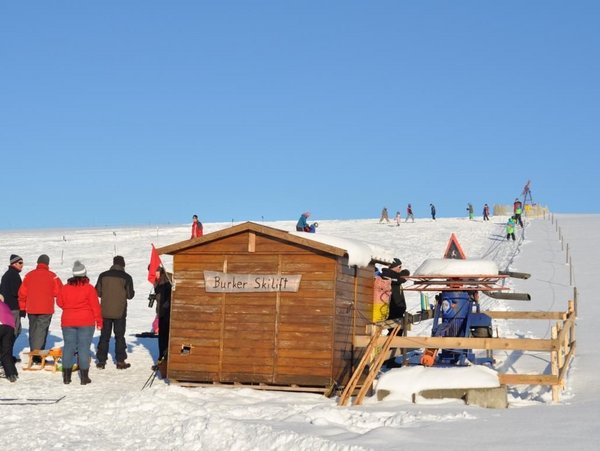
81,312
37,293
197,229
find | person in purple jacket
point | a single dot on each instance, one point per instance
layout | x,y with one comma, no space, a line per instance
7,338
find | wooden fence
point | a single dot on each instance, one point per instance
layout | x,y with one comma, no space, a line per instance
561,346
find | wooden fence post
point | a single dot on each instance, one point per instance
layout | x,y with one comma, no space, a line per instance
571,281
554,366
560,237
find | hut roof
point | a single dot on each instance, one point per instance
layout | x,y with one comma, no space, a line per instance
359,253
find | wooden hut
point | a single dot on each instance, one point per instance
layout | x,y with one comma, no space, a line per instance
257,305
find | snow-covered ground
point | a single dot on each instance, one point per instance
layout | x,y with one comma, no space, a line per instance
115,413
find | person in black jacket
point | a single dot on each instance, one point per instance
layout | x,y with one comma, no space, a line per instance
9,288
397,301
162,290
432,211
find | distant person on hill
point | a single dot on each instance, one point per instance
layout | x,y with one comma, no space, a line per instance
409,213
384,215
81,314
432,207
470,210
486,212
510,228
398,218
7,339
302,224
9,288
518,210
197,228
114,288
516,205
37,295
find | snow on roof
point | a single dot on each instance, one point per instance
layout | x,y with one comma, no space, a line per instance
451,266
403,382
360,253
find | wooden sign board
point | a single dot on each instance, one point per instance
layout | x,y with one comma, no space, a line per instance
220,282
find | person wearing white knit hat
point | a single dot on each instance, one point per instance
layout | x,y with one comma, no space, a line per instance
79,269
81,312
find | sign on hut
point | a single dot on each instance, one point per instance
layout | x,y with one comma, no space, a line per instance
257,305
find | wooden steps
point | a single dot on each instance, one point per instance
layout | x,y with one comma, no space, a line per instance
374,365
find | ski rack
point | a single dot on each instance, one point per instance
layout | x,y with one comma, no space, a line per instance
444,282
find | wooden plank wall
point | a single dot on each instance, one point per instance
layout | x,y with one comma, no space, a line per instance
275,338
354,305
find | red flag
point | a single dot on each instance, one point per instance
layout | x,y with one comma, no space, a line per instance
155,263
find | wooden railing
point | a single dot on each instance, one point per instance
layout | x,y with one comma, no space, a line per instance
561,346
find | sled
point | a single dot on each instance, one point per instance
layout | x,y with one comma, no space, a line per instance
55,354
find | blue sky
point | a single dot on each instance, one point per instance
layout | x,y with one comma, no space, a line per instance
146,112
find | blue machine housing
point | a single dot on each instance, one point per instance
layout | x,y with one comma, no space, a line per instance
457,314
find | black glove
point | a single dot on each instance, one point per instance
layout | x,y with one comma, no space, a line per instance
404,272
22,313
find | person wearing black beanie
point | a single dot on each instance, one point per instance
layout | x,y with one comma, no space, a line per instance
114,288
37,297
397,301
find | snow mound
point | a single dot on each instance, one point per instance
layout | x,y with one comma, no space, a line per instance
403,382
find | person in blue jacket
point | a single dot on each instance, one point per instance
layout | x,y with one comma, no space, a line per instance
302,224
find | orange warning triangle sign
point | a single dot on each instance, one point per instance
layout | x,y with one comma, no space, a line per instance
453,250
